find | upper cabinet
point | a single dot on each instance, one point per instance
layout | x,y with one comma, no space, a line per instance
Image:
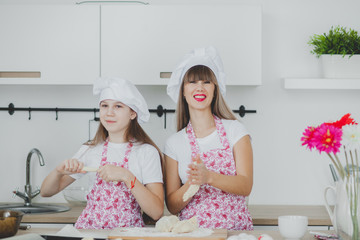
74,44
59,43
144,43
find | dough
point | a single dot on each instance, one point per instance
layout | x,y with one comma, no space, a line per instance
166,223
265,237
244,236
190,192
186,226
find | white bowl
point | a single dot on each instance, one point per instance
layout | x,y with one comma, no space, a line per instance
292,227
75,195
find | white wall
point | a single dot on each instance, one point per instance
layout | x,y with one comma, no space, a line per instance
284,172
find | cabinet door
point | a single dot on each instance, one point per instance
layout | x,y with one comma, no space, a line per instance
59,41
140,42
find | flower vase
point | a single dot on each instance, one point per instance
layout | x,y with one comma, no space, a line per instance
345,216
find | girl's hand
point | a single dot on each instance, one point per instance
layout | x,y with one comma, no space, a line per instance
70,166
111,173
198,173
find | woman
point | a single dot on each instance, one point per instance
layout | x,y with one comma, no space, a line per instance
128,177
211,148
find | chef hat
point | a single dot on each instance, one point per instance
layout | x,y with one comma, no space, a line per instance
123,91
206,56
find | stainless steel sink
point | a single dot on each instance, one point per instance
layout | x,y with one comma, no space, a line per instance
36,208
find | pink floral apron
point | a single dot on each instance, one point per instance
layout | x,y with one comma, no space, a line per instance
110,205
213,207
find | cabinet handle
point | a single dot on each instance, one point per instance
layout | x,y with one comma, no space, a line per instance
165,74
20,74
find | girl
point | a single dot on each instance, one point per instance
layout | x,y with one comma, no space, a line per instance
128,176
211,148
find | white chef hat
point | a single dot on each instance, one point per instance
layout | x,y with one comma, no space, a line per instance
123,91
206,56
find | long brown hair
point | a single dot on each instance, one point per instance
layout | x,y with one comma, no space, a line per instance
218,106
133,132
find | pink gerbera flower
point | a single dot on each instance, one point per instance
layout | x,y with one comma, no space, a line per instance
327,138
308,136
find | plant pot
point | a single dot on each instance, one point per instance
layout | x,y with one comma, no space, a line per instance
339,66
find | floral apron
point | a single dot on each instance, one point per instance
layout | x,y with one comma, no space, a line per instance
213,207
110,204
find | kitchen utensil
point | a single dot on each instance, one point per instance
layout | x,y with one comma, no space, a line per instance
292,227
24,227
321,235
53,237
333,172
9,222
89,169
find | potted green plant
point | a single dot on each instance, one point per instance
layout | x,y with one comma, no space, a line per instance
339,52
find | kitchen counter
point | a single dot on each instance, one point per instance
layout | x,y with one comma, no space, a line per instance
263,215
274,234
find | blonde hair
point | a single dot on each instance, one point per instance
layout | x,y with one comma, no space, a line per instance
218,106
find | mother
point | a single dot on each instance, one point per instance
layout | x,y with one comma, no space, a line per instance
211,148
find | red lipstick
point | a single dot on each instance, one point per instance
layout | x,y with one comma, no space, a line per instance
200,97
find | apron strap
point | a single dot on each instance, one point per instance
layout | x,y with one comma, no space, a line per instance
127,153
220,131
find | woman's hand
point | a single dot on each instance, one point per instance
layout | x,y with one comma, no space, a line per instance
198,173
70,166
111,173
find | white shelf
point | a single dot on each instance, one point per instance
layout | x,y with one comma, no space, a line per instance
321,83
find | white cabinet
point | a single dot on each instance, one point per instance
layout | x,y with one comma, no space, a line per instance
140,42
59,41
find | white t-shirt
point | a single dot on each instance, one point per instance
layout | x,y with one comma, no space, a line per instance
144,161
178,148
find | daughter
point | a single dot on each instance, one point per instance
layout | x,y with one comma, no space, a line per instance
128,175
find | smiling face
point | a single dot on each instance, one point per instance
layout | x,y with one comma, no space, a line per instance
199,94
199,87
115,117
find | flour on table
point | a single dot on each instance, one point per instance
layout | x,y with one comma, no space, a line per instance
152,232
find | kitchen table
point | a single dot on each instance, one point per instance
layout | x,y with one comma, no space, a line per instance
263,215
274,234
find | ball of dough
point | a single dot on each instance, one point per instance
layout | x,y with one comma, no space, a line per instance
265,237
166,223
245,236
235,237
186,226
190,192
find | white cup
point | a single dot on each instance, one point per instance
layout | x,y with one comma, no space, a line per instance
292,227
